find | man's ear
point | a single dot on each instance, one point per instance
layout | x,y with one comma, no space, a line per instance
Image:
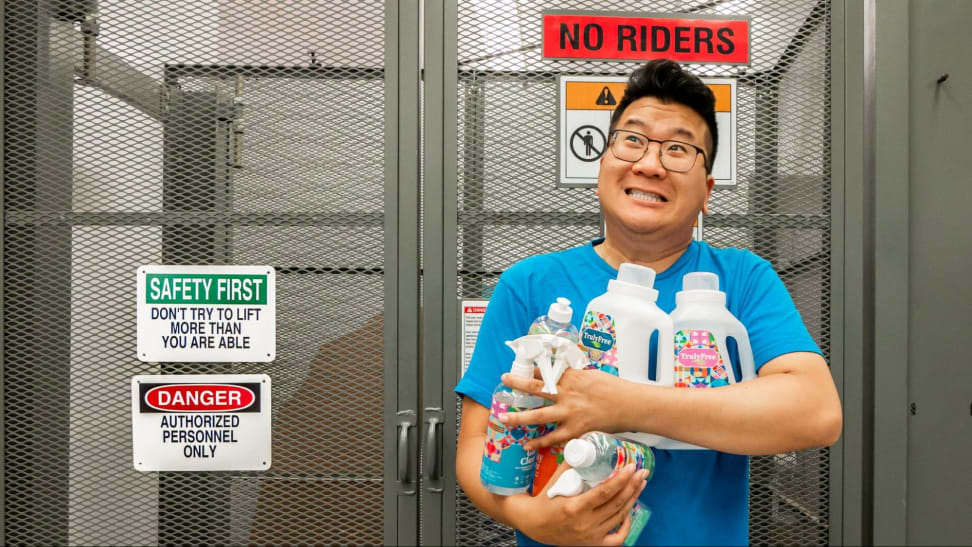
709,184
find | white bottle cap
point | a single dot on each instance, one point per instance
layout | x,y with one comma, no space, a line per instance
580,453
635,280
560,310
569,484
700,281
525,352
636,275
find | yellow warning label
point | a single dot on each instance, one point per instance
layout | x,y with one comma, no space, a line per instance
605,95
594,95
723,95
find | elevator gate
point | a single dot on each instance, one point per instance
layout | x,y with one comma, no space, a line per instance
247,132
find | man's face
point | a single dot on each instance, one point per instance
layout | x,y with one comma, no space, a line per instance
643,197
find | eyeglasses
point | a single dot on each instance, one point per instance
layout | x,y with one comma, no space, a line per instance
675,156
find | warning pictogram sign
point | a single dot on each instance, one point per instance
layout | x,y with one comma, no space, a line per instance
586,105
605,98
587,143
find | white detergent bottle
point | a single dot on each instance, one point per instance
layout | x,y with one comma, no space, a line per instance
507,468
702,323
617,326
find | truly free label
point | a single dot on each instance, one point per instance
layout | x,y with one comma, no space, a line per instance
206,313
201,422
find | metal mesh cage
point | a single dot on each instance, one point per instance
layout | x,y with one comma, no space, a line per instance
780,207
187,132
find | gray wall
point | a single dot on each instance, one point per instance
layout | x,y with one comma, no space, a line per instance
923,383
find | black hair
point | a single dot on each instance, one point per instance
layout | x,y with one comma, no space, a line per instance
666,81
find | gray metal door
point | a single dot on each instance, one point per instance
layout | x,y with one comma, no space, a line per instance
224,132
501,201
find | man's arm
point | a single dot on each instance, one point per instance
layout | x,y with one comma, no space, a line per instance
581,520
792,405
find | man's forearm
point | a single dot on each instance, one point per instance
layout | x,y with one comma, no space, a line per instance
469,455
794,409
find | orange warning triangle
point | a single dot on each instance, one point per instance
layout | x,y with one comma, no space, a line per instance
605,98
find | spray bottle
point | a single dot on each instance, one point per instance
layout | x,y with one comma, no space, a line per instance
702,324
556,323
507,468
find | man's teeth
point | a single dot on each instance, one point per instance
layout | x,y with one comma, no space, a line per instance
647,196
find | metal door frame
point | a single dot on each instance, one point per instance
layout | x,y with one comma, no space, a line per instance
402,305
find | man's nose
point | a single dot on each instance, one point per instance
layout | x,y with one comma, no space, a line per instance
650,163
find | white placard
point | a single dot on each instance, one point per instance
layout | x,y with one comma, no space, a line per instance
471,312
203,422
585,107
207,313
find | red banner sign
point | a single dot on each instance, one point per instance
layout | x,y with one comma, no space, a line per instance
586,35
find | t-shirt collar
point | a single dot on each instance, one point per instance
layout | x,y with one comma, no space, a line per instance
688,256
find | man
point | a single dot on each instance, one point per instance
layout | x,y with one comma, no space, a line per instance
654,180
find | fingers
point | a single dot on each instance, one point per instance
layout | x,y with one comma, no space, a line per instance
627,488
618,536
558,436
542,415
533,386
602,496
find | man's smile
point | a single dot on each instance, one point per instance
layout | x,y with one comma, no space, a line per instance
644,195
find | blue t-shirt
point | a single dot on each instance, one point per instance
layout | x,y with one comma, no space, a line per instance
697,497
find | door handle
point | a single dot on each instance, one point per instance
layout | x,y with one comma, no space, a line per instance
406,421
433,467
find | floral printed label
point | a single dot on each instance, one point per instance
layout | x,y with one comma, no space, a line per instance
698,363
505,462
598,338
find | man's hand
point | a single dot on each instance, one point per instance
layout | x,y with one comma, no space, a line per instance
586,400
585,519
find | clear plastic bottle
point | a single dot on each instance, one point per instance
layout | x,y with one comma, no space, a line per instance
556,322
507,468
596,456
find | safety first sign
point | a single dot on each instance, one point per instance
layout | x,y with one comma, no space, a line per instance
201,422
586,105
610,36
207,313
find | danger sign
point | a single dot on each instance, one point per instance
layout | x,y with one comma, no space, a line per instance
586,106
201,422
610,36
206,313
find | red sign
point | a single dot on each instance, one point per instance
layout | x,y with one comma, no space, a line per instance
199,397
594,35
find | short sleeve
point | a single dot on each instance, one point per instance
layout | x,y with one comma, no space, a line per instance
771,319
506,318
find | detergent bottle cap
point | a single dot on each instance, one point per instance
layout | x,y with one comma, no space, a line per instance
636,280
700,281
560,310
569,484
580,453
702,288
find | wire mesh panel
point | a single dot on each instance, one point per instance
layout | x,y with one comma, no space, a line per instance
510,206
187,132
